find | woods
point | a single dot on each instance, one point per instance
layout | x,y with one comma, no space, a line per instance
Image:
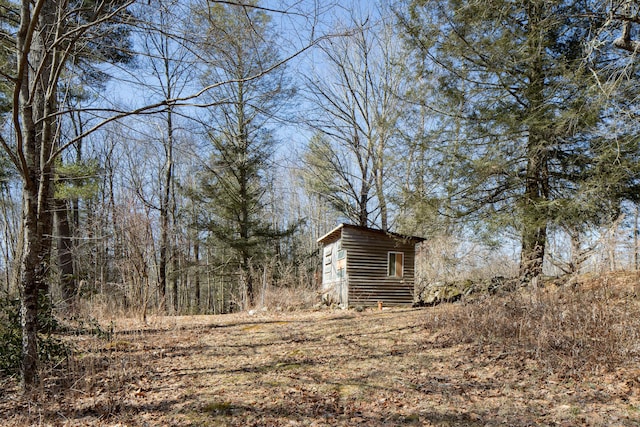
173,157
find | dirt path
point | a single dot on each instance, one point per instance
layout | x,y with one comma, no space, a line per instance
340,368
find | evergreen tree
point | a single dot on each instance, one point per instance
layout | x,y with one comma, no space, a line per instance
514,77
240,49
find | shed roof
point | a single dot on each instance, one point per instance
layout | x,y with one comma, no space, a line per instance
338,230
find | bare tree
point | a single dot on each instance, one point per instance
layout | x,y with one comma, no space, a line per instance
49,37
358,108
170,61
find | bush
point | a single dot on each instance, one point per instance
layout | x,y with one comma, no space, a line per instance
590,327
51,350
10,336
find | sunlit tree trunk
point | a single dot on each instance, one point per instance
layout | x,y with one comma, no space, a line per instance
34,123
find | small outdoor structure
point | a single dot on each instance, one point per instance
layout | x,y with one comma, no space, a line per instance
364,266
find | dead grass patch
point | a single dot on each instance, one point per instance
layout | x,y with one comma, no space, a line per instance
591,326
527,358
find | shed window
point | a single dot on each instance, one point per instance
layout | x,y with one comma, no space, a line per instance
395,266
341,263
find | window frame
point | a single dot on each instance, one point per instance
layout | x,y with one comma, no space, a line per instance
392,267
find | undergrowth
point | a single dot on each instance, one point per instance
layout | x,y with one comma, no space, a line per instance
51,350
591,326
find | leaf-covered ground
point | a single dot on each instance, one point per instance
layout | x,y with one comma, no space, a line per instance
327,368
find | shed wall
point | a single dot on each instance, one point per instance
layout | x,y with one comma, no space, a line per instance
367,268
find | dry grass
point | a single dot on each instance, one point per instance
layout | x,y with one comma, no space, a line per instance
591,326
563,355
288,298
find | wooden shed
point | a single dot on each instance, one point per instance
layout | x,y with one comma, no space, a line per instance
362,266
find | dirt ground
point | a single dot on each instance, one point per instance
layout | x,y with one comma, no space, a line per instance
322,368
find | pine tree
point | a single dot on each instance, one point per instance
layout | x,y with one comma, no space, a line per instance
514,76
240,49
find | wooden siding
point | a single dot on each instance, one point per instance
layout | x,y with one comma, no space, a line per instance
367,263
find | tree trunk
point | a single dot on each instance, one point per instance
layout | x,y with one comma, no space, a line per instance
162,263
34,125
533,213
165,210
196,260
246,271
65,253
636,254
31,280
36,248
174,283
533,251
382,200
534,217
363,212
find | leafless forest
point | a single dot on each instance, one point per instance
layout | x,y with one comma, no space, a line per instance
167,166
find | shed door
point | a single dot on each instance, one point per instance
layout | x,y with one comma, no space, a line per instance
342,284
327,265
334,270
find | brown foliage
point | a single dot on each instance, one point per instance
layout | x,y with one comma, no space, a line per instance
591,325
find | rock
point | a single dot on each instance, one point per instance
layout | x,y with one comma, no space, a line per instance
439,292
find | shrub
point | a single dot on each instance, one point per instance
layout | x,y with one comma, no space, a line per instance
591,327
51,350
10,336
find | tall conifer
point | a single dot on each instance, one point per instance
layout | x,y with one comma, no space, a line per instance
514,77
